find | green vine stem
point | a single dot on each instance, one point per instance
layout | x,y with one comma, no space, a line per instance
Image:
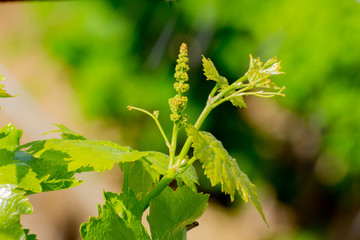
153,116
173,144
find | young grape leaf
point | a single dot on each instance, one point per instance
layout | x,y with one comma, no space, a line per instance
108,225
10,137
67,133
221,168
17,173
211,73
80,154
52,173
29,236
3,93
12,205
142,177
59,184
189,177
171,211
238,101
128,208
160,162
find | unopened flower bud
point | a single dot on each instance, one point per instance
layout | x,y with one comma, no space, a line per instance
156,114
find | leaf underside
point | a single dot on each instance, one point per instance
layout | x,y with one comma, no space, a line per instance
222,169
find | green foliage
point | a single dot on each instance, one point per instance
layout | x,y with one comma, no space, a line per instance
3,93
111,225
51,164
13,205
107,226
171,211
221,168
142,177
160,162
211,72
98,155
10,137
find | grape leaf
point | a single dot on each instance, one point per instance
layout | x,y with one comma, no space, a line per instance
29,236
67,133
12,205
128,207
10,137
160,162
142,177
108,225
171,211
59,184
17,173
221,168
211,73
238,101
189,177
52,173
3,93
79,154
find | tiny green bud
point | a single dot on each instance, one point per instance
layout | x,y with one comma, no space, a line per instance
156,114
178,104
181,87
182,66
175,117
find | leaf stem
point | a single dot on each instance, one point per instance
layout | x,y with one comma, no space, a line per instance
156,121
237,93
164,182
159,187
186,147
214,91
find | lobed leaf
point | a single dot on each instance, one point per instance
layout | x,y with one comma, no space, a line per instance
160,162
238,101
189,177
52,173
84,154
17,173
128,208
142,177
112,226
222,169
13,204
171,211
211,73
3,93
108,225
67,133
10,137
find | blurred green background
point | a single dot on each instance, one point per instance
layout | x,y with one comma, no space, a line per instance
304,149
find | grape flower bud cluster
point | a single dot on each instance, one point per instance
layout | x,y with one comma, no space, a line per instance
178,103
